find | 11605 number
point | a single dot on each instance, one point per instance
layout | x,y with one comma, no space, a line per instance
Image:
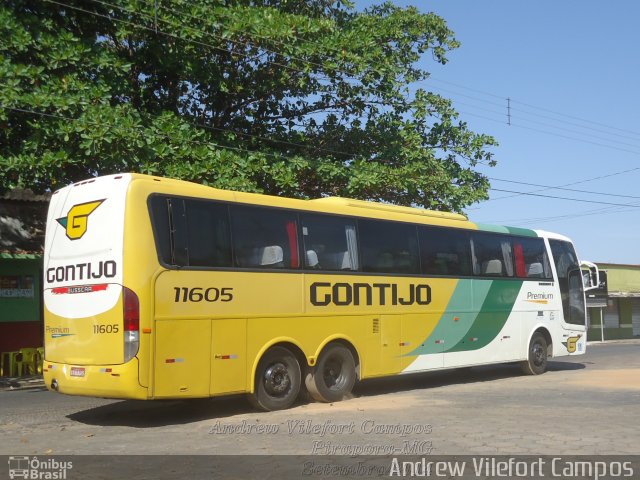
199,294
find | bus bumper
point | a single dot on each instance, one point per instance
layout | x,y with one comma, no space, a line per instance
107,381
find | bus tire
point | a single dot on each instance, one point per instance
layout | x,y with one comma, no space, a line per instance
333,376
536,363
278,380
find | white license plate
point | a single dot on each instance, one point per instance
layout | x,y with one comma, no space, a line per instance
77,371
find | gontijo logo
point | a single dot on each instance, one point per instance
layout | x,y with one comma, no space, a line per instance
76,221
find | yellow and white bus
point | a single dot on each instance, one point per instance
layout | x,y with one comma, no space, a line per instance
157,288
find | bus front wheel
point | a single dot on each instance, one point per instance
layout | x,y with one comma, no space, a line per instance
278,380
333,376
536,362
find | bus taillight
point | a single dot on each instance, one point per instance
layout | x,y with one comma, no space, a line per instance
131,324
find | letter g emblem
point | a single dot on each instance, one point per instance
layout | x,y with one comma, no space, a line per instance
77,220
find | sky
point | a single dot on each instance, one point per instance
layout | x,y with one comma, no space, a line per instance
571,70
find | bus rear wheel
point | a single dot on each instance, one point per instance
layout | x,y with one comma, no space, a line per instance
536,362
333,376
278,380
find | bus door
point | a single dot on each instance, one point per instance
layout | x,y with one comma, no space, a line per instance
572,294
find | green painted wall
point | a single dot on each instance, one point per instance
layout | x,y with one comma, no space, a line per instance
21,309
622,278
624,311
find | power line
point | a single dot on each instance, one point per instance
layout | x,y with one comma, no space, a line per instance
483,92
509,121
599,177
443,89
561,198
382,101
156,30
600,211
578,118
394,103
336,71
549,187
525,112
280,156
278,64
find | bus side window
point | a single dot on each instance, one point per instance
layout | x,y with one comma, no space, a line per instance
330,242
264,237
159,210
444,251
209,242
388,247
492,255
531,258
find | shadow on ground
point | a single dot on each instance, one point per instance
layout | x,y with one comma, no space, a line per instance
158,413
456,376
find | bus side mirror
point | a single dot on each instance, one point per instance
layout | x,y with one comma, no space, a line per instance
592,277
595,285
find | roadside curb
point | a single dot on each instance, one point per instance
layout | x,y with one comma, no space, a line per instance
626,341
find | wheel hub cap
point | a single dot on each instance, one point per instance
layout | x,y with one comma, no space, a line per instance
277,380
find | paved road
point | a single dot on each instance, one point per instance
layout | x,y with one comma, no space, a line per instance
583,405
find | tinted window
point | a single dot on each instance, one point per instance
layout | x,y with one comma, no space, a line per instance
531,260
208,242
330,243
444,251
570,281
159,207
264,238
492,256
388,247
191,232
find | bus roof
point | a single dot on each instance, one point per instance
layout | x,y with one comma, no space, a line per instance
339,205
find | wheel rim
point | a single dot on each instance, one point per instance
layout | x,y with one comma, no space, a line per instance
333,373
538,353
277,380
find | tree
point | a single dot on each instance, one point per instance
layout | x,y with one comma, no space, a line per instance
301,98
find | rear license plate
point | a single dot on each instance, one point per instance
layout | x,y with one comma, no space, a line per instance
77,371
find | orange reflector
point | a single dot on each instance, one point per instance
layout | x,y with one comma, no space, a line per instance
146,330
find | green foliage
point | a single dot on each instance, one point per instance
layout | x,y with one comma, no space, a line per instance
289,97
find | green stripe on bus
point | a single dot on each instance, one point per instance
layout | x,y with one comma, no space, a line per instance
458,317
495,310
525,232
485,227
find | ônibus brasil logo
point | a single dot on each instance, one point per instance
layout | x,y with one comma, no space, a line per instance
77,220
32,468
